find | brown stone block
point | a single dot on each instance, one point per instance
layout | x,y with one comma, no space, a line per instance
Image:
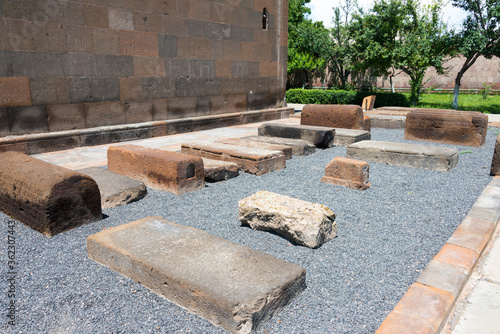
130,89
332,115
159,129
199,10
148,22
347,172
181,107
106,41
447,126
138,111
17,35
135,43
95,16
63,117
49,90
159,169
175,26
79,39
194,47
51,38
263,52
231,50
165,8
15,92
222,13
404,323
31,119
46,197
149,67
223,68
104,113
270,5
458,256
368,102
251,160
223,104
268,69
495,162
247,50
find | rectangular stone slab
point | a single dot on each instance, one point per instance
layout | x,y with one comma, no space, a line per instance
115,189
405,155
387,121
333,116
251,160
232,286
299,147
318,136
344,137
447,126
285,150
48,198
218,170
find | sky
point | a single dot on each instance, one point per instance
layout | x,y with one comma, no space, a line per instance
321,10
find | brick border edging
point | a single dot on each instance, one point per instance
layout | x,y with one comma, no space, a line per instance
63,140
425,307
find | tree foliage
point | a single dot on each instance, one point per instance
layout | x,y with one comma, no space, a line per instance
480,35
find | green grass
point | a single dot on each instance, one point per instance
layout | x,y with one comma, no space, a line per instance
472,102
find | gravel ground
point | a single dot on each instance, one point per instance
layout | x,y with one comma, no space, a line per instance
387,235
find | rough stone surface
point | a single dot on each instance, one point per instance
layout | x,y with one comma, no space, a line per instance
115,189
299,147
304,223
333,115
447,126
347,172
232,286
369,102
251,160
46,197
159,169
318,136
405,155
218,170
495,162
344,137
387,121
285,150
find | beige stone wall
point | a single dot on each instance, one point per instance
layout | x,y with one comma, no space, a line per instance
71,64
484,70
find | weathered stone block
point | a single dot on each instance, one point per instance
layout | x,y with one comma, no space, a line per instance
49,91
115,189
232,286
495,162
387,121
15,92
369,102
344,137
317,135
46,197
299,147
347,172
159,169
218,170
333,115
447,126
25,120
285,150
84,89
66,116
120,19
304,223
135,43
138,111
405,155
250,160
104,113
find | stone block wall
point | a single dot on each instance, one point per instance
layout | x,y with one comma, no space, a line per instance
74,64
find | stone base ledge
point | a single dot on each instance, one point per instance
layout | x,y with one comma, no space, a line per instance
63,140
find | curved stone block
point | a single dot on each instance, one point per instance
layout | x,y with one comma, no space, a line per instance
333,116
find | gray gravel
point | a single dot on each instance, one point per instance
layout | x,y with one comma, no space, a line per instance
387,235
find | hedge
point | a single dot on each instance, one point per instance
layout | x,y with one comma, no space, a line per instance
317,96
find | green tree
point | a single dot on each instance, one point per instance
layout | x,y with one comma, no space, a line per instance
480,35
401,35
304,63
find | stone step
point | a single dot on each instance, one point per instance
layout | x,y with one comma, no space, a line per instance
447,126
159,169
46,197
299,147
115,189
344,137
304,223
218,170
285,150
251,160
232,286
316,135
405,155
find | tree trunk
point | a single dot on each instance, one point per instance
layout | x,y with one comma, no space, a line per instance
392,84
455,94
467,64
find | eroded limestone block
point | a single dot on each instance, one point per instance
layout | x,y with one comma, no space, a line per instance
333,116
302,222
447,126
232,286
169,171
218,170
115,189
46,197
347,172
318,136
